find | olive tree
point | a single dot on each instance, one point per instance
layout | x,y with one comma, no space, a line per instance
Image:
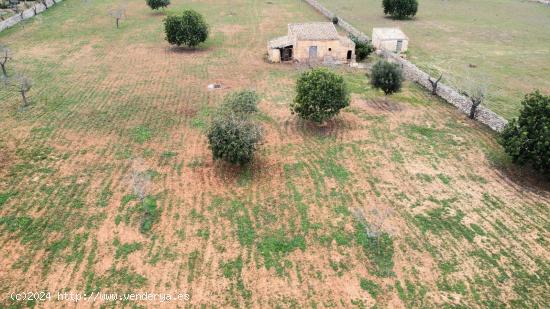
387,77
474,87
527,138
435,83
400,9
320,95
21,84
363,48
244,102
5,56
118,14
157,4
233,138
188,29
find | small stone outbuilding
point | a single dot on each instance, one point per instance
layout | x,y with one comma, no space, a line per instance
390,39
312,42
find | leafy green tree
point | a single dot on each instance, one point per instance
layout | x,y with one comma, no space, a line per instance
386,76
320,95
527,138
189,29
243,102
400,9
157,4
233,138
362,48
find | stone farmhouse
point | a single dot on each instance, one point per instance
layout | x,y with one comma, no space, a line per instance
317,42
390,39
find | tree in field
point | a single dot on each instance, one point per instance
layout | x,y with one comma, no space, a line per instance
189,29
21,84
5,56
243,102
387,77
435,83
157,4
362,48
118,14
320,95
233,138
475,91
400,9
527,138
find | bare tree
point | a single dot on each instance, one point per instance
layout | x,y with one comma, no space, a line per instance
476,94
140,179
24,85
435,83
118,14
5,56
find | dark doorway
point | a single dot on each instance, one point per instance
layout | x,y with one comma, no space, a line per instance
286,53
349,55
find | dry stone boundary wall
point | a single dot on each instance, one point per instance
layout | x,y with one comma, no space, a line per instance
36,9
413,73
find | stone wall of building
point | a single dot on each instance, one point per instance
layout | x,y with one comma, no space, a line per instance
36,9
413,73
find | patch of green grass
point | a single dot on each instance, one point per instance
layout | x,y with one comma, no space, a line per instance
459,287
341,210
232,269
150,213
204,233
413,295
142,134
444,178
424,177
166,156
370,286
239,216
339,267
439,220
104,197
334,170
192,261
4,197
275,246
34,154
397,157
123,250
378,248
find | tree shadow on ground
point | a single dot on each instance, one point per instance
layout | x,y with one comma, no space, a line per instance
522,178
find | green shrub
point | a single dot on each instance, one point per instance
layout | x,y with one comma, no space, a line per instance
362,48
387,77
233,138
400,8
157,4
243,102
527,138
320,95
189,29
151,213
